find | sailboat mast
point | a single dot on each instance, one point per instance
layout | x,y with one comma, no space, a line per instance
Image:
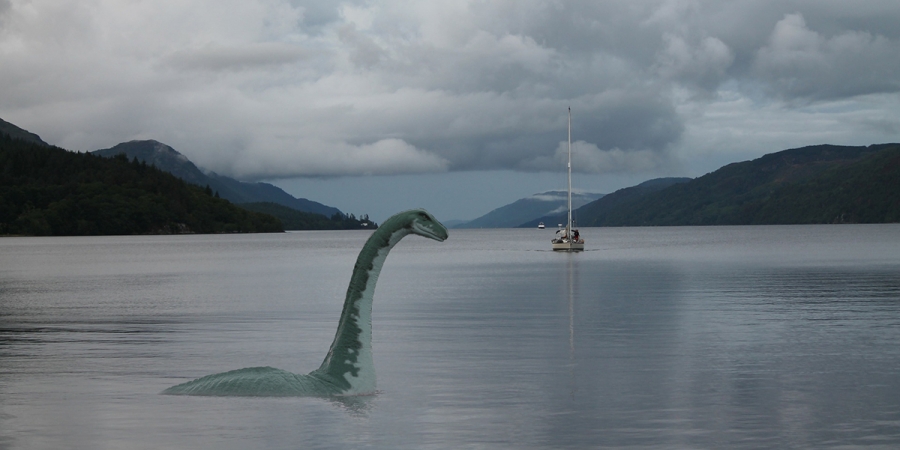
569,219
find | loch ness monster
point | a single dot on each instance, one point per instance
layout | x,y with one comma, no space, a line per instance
348,368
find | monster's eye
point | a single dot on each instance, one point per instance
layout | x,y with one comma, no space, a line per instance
423,215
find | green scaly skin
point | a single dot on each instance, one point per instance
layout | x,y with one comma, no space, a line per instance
348,368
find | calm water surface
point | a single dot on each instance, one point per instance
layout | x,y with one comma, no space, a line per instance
660,338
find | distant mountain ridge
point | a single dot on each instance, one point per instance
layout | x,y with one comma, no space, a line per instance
18,133
584,215
525,209
808,185
169,160
814,184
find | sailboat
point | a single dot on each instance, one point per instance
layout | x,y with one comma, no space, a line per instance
568,239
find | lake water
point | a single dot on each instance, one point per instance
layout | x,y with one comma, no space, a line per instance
655,338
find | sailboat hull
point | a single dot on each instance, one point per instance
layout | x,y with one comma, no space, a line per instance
568,246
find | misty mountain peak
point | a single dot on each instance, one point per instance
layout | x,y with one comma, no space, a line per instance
160,155
170,160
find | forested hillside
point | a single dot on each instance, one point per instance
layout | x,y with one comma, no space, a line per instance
608,203
15,132
526,209
816,184
169,160
47,190
300,220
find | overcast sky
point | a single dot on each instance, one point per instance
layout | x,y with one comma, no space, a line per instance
455,106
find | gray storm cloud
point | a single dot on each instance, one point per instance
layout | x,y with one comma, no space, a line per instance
798,62
279,89
218,58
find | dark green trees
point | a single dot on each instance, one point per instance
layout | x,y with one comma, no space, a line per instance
50,191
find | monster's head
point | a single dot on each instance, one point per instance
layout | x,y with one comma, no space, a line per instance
417,221
424,224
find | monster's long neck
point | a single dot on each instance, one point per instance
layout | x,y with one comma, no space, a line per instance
349,361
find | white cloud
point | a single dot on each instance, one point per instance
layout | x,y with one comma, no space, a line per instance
321,158
547,197
588,158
